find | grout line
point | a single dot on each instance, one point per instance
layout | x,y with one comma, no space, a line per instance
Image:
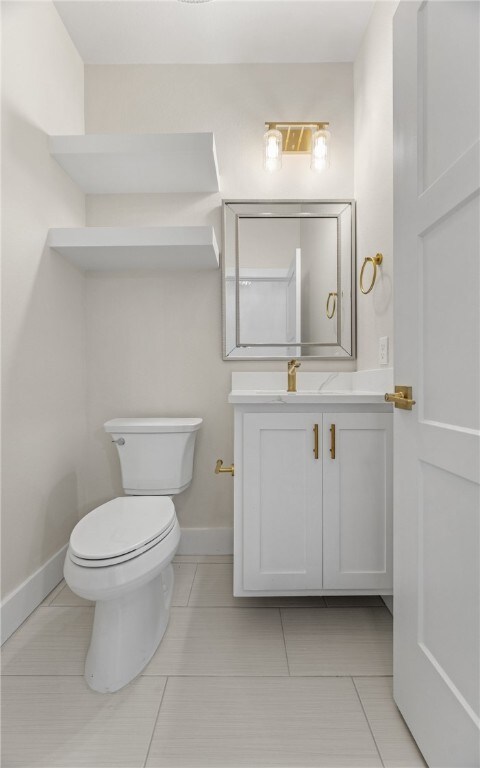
236,674
49,674
232,606
228,605
253,677
284,641
191,585
66,605
54,594
155,723
65,586
368,721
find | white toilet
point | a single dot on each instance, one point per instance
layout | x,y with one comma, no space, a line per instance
120,554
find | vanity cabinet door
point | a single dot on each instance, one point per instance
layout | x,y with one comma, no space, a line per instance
357,506
282,502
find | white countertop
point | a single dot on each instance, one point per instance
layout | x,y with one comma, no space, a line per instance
237,396
357,387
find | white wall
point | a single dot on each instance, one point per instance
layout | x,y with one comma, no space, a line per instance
43,362
373,88
154,340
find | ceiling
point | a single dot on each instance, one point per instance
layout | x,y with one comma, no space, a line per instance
218,32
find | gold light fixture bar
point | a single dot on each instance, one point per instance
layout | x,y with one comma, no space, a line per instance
296,137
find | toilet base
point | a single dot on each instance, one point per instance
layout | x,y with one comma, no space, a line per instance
127,632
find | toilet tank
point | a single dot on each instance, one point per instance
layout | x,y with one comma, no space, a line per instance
156,455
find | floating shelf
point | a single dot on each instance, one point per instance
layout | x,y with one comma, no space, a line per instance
115,248
139,163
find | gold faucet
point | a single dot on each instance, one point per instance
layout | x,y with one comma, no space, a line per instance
292,375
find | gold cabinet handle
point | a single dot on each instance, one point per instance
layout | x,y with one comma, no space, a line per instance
315,440
220,468
402,398
375,261
332,441
331,312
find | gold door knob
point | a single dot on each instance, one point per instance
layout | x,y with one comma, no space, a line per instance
220,468
402,398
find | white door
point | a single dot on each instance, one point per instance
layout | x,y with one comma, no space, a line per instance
357,501
436,445
282,502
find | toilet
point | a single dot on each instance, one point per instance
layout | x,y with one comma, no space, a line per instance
120,554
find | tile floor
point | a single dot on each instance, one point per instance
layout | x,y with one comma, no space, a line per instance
245,683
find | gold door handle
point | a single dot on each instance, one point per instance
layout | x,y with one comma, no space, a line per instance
220,468
315,440
402,398
332,441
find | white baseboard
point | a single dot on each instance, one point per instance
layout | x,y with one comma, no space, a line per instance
388,600
20,603
206,541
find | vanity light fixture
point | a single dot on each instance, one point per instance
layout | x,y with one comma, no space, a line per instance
320,157
272,147
299,139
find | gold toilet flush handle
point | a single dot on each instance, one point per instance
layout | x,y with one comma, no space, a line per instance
402,398
220,468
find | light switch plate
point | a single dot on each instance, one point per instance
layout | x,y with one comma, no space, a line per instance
383,350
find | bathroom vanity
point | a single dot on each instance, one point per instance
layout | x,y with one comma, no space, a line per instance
313,484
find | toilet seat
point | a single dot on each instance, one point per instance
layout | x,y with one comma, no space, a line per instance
121,529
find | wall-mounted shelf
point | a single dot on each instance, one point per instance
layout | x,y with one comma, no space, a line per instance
139,163
116,248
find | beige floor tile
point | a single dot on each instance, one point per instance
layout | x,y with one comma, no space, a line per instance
394,741
338,641
184,574
53,641
203,559
213,586
58,721
68,599
248,723
221,641
354,601
51,596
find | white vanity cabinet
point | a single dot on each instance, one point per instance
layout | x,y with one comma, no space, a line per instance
309,520
282,509
357,501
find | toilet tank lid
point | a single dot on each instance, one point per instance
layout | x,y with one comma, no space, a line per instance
153,425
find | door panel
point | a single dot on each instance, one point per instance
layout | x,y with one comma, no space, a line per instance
282,502
449,533
450,318
436,446
447,52
357,510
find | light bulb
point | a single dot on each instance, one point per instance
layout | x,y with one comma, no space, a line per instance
320,158
272,142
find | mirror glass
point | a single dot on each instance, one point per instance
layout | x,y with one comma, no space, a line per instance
287,279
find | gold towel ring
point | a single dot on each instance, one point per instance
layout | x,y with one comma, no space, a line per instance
331,314
376,261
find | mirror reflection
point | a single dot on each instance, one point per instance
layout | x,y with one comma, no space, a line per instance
288,279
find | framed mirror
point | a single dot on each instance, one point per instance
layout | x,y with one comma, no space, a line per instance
288,279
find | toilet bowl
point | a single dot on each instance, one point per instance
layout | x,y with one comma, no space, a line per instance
120,554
